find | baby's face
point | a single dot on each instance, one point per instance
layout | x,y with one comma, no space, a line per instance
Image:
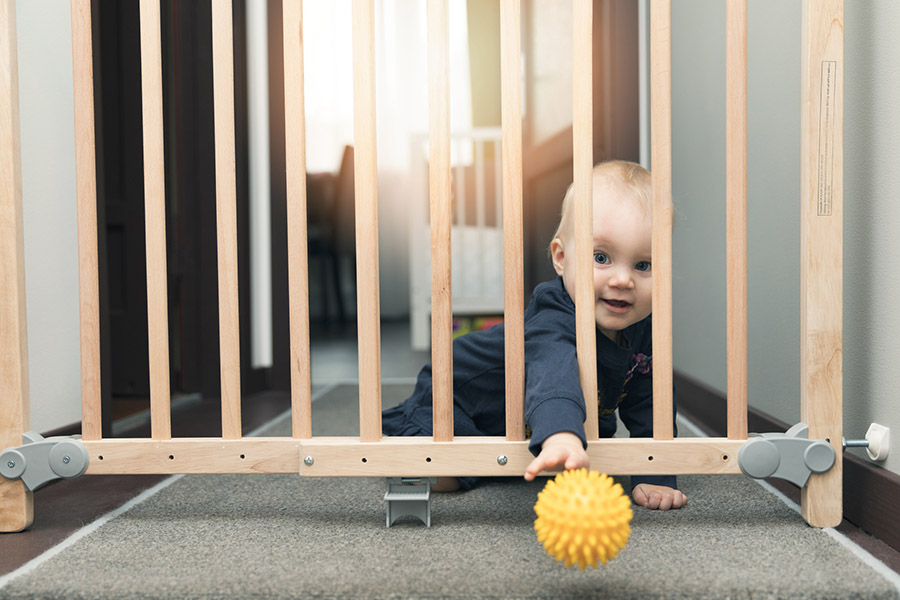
621,260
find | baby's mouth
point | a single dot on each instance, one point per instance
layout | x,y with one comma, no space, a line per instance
618,306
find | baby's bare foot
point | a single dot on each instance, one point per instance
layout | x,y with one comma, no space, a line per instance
445,484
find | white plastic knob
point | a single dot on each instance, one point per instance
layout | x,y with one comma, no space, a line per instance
879,438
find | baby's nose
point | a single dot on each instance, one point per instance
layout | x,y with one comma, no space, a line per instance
621,278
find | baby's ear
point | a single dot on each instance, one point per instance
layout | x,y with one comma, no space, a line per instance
558,255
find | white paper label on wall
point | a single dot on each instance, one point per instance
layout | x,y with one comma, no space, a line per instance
826,139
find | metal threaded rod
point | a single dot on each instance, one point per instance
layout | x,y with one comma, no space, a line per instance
856,443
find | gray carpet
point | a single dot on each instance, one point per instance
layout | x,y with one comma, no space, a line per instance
282,536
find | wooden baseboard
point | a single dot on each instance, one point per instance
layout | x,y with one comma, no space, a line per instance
870,492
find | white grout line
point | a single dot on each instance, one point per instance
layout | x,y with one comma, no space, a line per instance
40,559
683,421
879,567
863,555
143,417
860,553
287,413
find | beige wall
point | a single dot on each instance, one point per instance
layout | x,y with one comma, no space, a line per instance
871,222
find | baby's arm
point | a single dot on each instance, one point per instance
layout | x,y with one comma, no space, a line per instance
562,449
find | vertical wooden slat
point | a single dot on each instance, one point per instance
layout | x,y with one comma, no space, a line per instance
822,162
582,167
366,186
86,198
513,264
661,165
226,218
298,267
439,194
16,503
155,219
736,215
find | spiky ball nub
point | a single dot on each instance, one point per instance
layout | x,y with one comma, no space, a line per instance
583,517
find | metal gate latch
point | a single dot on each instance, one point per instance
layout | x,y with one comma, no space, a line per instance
789,455
40,460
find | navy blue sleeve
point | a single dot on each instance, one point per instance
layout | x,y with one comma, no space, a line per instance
636,412
553,399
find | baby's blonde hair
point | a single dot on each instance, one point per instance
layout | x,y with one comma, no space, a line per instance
632,175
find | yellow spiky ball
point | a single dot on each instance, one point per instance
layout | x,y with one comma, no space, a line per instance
583,517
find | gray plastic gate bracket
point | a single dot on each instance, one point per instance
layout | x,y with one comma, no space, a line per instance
40,460
789,455
408,496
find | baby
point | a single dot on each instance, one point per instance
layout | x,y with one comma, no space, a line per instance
554,403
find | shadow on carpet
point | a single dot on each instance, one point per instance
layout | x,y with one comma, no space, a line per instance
283,536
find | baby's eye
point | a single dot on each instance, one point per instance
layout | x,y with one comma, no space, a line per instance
644,265
601,258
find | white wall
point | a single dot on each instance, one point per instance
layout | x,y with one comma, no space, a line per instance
48,197
871,221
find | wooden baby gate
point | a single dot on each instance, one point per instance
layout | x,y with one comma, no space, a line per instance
371,454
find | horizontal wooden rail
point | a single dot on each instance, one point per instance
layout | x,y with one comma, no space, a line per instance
399,456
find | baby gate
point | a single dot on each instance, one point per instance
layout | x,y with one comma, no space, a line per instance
443,455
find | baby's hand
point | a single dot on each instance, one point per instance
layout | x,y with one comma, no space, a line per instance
560,449
658,497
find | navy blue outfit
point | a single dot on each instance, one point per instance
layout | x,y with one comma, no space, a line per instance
553,398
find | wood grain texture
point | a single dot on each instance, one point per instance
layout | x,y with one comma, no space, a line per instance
582,167
155,219
226,218
821,265
366,186
298,249
16,505
479,456
86,217
398,456
513,229
441,215
736,215
661,166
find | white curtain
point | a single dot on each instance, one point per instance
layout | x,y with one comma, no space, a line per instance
401,78
401,83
